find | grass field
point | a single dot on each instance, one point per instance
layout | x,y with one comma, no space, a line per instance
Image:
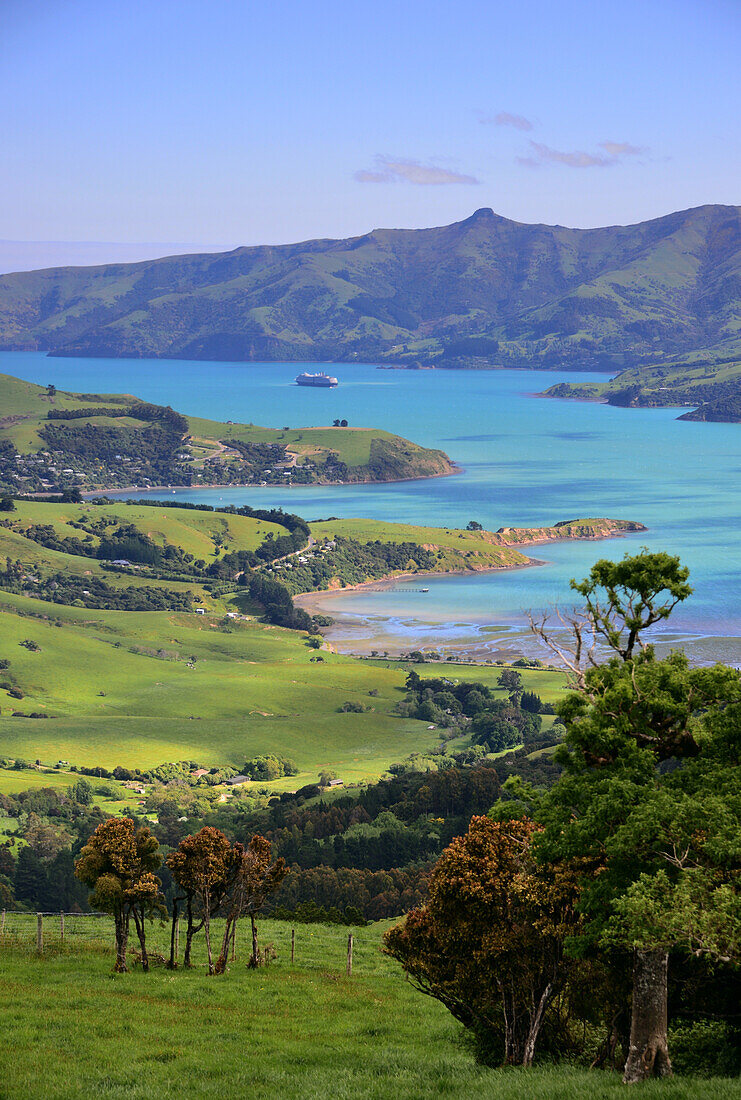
72,1029
121,691
207,535
139,688
24,405
353,445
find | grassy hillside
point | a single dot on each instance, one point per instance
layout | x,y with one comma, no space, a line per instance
485,291
301,1030
51,440
122,689
715,388
119,684
335,560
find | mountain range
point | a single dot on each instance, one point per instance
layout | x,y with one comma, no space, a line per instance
483,292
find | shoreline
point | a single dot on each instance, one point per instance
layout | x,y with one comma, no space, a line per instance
456,469
382,584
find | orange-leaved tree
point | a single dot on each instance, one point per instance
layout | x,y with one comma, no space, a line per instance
118,864
204,867
256,878
489,942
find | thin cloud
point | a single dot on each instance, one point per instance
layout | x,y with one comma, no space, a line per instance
504,118
543,154
389,170
614,151
622,149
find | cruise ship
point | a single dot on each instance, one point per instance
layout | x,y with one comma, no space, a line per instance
322,380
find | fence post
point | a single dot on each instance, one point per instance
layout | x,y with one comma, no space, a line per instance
39,932
293,942
61,927
349,955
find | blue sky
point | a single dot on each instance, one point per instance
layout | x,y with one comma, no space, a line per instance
226,122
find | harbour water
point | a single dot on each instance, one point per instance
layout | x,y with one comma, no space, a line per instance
525,461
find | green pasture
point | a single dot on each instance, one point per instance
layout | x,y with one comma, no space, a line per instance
122,688
206,535
24,405
459,549
72,1029
352,445
122,691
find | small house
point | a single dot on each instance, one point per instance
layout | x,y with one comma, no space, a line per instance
200,611
237,779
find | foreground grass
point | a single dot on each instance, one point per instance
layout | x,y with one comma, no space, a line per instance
73,1029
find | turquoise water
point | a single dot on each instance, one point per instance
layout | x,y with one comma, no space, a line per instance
526,461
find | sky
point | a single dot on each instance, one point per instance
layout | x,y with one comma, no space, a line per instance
217,123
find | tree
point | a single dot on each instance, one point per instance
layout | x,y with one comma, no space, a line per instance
7,504
202,866
82,792
531,702
255,878
326,777
51,390
510,680
118,864
489,942
30,878
625,718
473,525
45,839
495,732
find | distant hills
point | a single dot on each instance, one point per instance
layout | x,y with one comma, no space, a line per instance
482,292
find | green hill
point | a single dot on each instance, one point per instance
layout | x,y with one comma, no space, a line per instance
107,664
692,380
51,441
482,292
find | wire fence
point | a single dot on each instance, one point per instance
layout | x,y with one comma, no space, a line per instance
320,947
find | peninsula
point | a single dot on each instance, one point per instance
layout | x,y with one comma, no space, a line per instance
348,553
53,441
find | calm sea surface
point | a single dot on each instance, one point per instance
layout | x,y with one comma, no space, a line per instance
526,461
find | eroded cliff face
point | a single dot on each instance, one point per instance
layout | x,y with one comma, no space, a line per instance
565,529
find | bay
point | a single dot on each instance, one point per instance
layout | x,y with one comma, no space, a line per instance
525,461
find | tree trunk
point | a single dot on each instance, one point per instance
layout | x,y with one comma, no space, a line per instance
224,953
255,956
648,1055
141,933
189,932
207,931
122,939
172,965
509,1012
536,1022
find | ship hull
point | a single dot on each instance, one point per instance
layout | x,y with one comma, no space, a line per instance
321,384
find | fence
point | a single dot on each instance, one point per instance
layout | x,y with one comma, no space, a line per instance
321,947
